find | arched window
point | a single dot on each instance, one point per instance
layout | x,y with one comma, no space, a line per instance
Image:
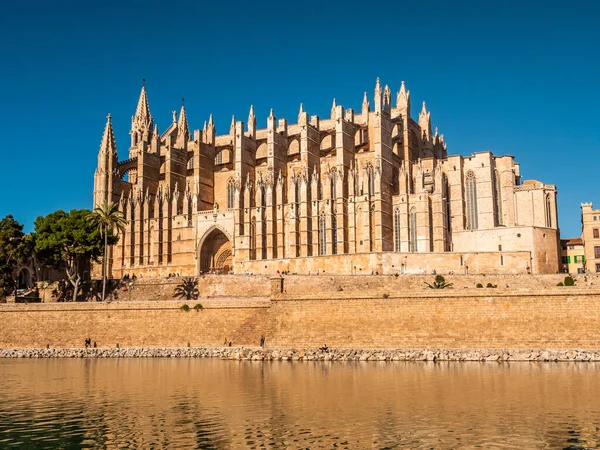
253,238
263,197
264,238
333,185
548,212
323,235
412,230
396,230
334,233
498,199
219,158
471,194
371,181
297,191
230,193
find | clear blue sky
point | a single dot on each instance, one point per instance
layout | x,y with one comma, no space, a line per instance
517,78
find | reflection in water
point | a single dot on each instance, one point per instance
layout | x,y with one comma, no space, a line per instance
214,404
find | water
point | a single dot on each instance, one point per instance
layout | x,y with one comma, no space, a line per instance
214,404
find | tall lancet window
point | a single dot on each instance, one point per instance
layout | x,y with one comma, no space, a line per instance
412,230
471,194
333,233
297,191
333,185
253,238
396,230
371,180
230,193
498,199
219,158
548,212
323,235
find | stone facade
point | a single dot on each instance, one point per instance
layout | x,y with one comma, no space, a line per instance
572,255
590,234
356,192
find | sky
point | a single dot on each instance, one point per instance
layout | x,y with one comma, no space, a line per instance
513,77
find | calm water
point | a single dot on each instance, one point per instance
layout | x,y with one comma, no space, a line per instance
217,404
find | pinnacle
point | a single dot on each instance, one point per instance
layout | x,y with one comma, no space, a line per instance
211,122
301,109
424,110
271,115
143,110
108,143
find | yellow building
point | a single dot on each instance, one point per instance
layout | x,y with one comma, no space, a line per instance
572,255
590,233
356,192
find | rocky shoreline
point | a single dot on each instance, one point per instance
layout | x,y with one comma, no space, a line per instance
258,354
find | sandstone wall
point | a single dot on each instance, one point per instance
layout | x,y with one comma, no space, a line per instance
560,318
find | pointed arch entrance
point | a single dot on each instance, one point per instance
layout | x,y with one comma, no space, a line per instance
215,253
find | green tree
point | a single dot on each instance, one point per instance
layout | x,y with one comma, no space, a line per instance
16,248
69,239
110,222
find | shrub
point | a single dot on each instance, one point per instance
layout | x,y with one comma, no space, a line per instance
185,307
198,307
490,285
386,295
560,284
396,275
439,283
569,281
479,285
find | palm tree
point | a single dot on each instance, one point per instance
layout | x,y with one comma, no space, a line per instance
109,220
187,289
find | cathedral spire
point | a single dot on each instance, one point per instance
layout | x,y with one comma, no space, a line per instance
252,122
232,126
142,111
183,129
333,106
108,145
366,107
403,100
425,121
378,96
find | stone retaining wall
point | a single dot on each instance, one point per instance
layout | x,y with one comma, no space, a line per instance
258,354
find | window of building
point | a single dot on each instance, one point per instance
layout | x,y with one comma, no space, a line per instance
575,258
333,185
594,217
334,234
471,194
548,212
323,235
498,199
596,235
219,158
297,191
597,251
501,260
597,267
564,259
230,193
413,230
396,230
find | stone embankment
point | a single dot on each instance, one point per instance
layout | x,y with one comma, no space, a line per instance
257,354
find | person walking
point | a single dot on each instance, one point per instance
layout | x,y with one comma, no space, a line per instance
262,341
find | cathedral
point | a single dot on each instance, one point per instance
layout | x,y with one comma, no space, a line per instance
358,192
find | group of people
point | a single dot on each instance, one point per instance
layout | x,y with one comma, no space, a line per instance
127,277
88,343
227,344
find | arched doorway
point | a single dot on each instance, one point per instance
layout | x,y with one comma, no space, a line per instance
215,253
24,281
